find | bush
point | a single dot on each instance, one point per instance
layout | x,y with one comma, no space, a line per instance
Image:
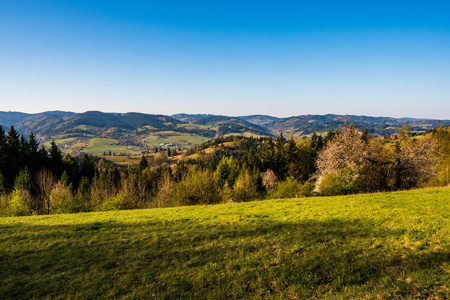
308,188
63,201
197,187
17,203
337,184
245,188
288,188
117,202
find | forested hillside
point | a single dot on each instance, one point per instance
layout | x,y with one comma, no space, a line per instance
131,133
40,180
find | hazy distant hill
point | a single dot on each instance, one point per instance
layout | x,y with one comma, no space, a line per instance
233,125
12,118
188,118
307,124
259,119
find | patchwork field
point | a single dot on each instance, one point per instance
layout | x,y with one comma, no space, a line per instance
376,246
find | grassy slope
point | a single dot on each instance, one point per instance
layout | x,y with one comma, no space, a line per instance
392,245
186,140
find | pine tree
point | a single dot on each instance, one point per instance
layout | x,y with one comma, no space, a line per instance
56,160
12,157
143,164
87,167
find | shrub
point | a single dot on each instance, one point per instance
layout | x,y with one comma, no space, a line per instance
197,187
117,202
308,188
245,188
17,203
63,201
288,188
337,184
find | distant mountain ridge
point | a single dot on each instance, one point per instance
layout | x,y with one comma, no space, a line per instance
132,128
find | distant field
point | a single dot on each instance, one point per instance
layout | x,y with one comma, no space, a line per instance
98,146
61,142
196,126
376,246
123,160
246,134
184,140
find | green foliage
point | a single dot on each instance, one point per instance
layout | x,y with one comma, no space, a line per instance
87,167
56,159
338,184
308,188
23,181
143,164
227,171
405,131
198,187
17,203
442,136
120,201
245,188
63,201
288,188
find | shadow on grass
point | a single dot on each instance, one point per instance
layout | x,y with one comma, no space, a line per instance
183,259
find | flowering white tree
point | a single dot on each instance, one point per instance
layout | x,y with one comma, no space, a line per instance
346,151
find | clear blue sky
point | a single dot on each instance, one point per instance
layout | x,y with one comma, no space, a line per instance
282,58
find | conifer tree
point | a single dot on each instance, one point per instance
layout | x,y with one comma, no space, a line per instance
87,167
143,164
56,160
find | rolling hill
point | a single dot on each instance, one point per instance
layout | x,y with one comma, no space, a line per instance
136,132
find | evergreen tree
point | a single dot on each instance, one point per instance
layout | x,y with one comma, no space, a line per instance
87,167
365,136
143,164
227,171
56,160
12,157
23,180
72,170
31,157
2,153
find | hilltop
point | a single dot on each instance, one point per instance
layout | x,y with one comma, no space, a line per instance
97,132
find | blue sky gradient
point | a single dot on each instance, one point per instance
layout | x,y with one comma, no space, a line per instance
280,58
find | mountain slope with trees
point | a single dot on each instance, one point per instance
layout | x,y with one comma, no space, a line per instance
142,132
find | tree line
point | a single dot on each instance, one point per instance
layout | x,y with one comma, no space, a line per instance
37,180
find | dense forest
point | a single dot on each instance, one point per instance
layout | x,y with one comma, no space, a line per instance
37,180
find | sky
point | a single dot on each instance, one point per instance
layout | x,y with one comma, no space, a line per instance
280,58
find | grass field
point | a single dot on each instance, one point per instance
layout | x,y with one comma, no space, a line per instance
376,246
185,140
98,146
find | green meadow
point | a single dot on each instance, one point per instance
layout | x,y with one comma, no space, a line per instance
185,140
373,246
98,146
